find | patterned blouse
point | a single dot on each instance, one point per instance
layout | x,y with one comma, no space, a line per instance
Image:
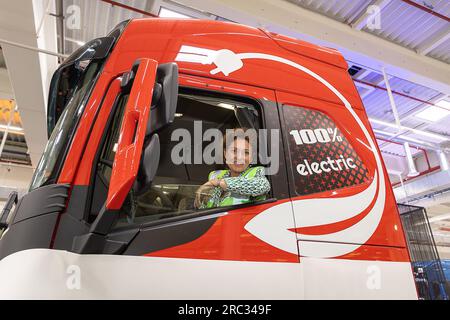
250,185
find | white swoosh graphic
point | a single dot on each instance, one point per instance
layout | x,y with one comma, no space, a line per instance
331,210
314,212
272,226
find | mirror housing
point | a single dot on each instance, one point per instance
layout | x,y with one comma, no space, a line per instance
132,132
152,102
165,97
148,165
164,94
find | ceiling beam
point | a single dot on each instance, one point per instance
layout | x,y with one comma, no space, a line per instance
127,7
426,9
359,46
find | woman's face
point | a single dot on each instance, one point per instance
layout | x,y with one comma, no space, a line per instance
238,155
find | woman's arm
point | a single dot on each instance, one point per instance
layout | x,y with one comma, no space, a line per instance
253,187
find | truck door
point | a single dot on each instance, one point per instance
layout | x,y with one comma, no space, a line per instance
325,152
158,217
345,215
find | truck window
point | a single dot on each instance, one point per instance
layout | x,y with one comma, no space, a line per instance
322,158
176,185
69,92
106,158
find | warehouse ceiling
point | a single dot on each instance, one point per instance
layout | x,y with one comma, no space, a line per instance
421,26
15,149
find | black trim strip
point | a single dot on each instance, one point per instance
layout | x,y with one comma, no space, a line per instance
44,200
193,215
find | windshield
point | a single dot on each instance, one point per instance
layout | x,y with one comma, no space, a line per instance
72,89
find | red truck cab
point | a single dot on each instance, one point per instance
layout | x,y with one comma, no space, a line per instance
107,193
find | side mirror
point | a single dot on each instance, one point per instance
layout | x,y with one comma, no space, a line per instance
152,102
165,96
132,132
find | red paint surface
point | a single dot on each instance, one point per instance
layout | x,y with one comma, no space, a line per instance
161,40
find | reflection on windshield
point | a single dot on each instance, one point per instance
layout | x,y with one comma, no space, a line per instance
73,84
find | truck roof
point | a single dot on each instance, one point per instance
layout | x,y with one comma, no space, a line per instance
193,44
198,26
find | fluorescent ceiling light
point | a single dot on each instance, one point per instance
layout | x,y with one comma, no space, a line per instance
11,128
394,172
166,13
78,42
419,132
403,137
434,113
444,104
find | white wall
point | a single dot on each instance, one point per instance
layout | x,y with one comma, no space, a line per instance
14,176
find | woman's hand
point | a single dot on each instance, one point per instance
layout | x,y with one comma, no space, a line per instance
219,183
223,184
201,193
